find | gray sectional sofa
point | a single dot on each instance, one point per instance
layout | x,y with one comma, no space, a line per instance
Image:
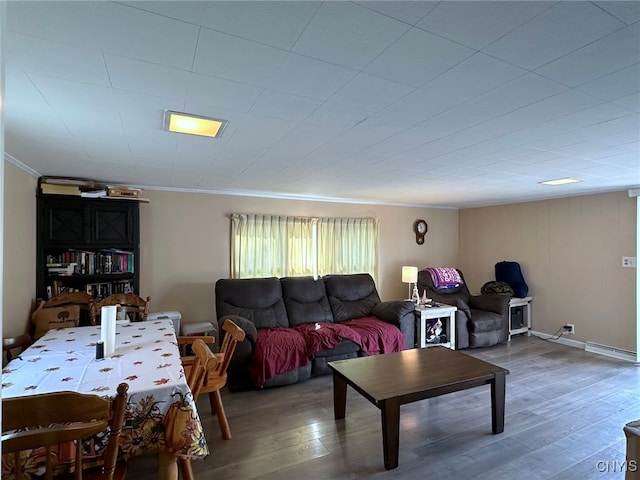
296,325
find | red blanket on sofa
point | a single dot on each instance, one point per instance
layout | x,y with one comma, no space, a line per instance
376,336
319,336
279,350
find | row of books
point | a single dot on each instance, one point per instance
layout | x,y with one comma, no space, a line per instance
57,287
104,289
80,262
97,290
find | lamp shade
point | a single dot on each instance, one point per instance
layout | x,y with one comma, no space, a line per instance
409,274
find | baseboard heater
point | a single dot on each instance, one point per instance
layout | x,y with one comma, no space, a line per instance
610,351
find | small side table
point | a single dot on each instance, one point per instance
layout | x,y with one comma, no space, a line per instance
520,316
438,310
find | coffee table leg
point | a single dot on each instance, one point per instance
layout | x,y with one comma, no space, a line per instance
497,402
390,409
339,397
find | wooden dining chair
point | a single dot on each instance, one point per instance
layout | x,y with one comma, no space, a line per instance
217,379
12,344
68,309
130,306
82,299
48,419
197,367
185,345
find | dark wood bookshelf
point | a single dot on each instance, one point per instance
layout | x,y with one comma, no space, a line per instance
70,227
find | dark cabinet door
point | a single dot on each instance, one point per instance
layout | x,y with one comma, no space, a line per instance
65,224
113,225
80,223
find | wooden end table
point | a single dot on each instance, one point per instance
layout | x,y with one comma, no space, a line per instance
436,310
394,379
525,326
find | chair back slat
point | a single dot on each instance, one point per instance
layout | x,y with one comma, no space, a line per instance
203,363
52,418
233,335
134,307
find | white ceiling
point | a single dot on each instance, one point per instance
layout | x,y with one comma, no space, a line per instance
429,103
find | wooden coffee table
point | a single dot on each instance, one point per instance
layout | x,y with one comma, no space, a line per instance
394,379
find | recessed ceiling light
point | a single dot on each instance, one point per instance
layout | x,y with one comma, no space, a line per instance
560,181
193,124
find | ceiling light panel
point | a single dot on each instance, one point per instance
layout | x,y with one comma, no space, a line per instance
560,181
193,124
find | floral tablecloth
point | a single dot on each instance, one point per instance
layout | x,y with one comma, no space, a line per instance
146,357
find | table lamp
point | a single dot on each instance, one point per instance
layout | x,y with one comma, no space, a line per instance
409,275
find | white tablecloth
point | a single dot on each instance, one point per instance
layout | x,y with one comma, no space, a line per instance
146,357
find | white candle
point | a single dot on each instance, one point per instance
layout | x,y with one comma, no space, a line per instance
108,329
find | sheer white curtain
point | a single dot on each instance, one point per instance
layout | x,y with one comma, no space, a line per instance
270,245
348,245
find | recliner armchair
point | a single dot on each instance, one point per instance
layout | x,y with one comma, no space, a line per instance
481,320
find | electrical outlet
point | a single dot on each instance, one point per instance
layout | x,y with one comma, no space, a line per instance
569,329
629,262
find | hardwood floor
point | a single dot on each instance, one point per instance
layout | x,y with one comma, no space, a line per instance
565,410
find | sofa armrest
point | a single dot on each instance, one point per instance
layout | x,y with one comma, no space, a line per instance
249,328
402,315
393,312
490,303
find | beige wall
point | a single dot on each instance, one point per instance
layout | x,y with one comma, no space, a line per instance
570,251
19,275
185,244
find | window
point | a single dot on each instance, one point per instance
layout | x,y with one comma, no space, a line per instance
281,246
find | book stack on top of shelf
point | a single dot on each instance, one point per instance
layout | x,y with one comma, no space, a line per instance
87,188
64,185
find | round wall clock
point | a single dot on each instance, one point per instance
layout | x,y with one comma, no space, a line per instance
420,228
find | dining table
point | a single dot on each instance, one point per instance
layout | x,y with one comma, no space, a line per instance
160,414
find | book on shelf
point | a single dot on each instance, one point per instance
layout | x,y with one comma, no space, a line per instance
126,192
122,286
68,269
55,189
57,287
79,182
99,290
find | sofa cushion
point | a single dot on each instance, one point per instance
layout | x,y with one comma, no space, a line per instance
256,299
277,350
296,375
376,336
484,321
305,300
491,303
351,296
320,364
345,347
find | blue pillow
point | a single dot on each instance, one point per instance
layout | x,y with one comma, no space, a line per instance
510,272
